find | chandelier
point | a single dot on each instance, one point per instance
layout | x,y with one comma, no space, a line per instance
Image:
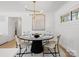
33,8
38,18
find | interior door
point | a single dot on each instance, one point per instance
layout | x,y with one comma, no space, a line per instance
14,26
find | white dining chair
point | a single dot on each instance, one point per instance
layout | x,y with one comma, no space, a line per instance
47,34
21,44
53,44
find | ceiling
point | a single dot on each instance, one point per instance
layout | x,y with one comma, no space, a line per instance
19,6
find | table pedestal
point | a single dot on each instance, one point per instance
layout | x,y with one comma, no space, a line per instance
37,46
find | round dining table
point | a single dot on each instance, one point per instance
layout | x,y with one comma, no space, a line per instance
37,46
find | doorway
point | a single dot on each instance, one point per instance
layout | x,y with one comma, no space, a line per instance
14,26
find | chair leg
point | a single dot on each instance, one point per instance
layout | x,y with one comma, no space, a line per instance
43,53
20,53
20,50
31,54
58,50
24,52
16,45
55,52
51,52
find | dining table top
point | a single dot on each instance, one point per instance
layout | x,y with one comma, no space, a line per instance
30,38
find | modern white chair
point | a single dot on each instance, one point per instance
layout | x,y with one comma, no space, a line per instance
47,33
21,44
53,44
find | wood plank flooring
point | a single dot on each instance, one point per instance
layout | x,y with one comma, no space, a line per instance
10,44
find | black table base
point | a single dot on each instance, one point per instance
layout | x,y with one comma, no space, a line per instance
37,46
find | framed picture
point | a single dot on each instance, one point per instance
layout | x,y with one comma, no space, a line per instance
75,14
66,17
62,19
38,22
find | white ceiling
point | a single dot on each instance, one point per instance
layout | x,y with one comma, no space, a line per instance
19,6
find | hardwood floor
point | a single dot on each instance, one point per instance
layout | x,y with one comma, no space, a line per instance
65,51
10,44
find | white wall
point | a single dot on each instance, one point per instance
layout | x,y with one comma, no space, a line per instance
27,22
4,21
7,25
49,21
3,25
68,30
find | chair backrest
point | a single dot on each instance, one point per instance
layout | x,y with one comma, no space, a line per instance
18,41
58,38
